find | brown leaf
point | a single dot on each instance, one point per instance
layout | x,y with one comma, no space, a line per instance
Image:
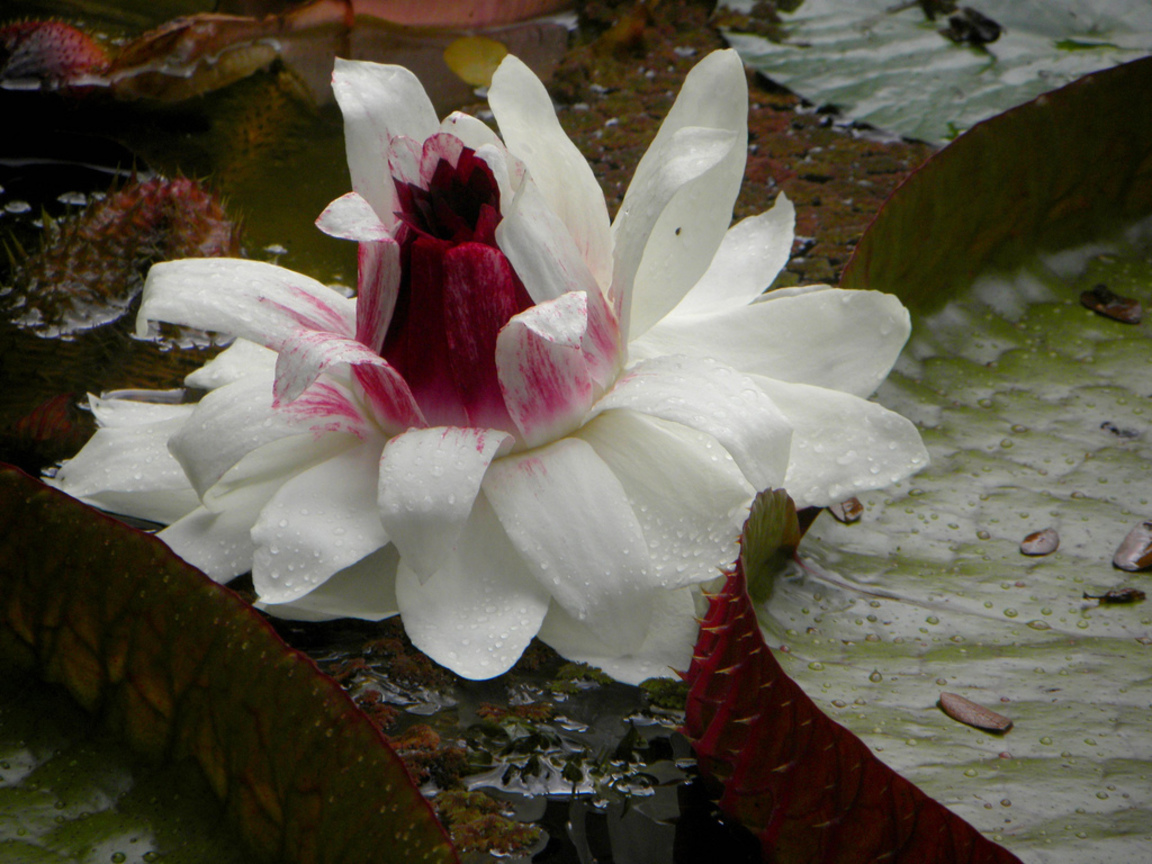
1040,542
1135,552
1103,302
967,711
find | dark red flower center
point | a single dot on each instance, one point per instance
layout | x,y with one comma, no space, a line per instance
457,291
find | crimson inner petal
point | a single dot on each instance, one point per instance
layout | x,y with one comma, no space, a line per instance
456,291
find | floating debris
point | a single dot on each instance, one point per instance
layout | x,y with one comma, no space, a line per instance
971,27
1041,542
1103,302
847,511
1127,434
1135,553
1117,595
968,712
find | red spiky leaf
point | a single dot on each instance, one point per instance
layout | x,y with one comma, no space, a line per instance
806,786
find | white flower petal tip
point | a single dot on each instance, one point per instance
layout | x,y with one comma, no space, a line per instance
350,217
465,443
429,480
478,612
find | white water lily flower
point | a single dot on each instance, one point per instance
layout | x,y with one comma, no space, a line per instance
530,421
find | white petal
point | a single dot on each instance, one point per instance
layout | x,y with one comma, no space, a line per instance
251,482
681,243
365,590
472,132
253,300
111,411
379,102
228,423
128,470
239,360
217,537
751,254
540,248
350,217
216,543
687,156
570,519
688,493
842,445
844,340
320,521
531,131
506,168
477,614
429,479
706,395
666,649
544,374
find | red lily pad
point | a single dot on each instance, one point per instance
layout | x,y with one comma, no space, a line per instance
183,669
807,787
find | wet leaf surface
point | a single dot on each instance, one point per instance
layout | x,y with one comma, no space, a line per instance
1017,390
888,64
806,786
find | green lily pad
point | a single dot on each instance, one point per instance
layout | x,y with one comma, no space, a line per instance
891,67
1034,410
184,672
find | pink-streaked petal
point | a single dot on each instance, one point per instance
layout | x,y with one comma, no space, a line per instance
389,397
543,371
350,217
308,354
379,102
472,132
750,255
689,495
843,340
127,469
681,241
480,296
540,248
320,521
570,519
528,124
682,159
439,147
478,612
842,445
252,300
329,406
378,286
216,543
365,590
666,647
602,343
227,424
404,160
429,479
715,399
239,360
